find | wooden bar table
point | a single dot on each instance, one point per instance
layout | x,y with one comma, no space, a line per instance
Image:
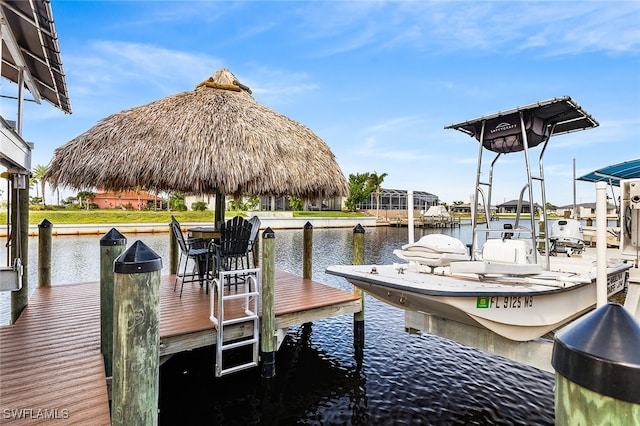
204,232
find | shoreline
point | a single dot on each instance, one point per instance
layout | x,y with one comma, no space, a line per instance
152,228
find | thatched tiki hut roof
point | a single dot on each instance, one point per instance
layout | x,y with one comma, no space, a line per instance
214,139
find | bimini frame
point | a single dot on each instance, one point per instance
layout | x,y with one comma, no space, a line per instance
517,130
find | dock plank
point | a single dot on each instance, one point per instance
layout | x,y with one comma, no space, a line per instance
51,368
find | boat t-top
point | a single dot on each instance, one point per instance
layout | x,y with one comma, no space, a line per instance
515,280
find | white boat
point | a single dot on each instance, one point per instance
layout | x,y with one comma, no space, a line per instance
511,284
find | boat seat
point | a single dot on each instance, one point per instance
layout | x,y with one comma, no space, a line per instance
508,251
501,256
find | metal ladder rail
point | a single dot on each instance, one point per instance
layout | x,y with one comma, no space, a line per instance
251,314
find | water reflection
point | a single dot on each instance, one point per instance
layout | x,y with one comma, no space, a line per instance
321,378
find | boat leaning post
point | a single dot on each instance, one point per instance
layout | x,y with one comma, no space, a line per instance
358,259
597,365
136,337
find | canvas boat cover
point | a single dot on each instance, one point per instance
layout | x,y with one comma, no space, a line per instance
503,133
614,173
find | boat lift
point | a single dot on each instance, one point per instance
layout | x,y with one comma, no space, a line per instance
31,59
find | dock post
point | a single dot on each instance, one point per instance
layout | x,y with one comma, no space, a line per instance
136,337
307,251
358,259
112,244
20,243
44,253
173,253
268,321
597,365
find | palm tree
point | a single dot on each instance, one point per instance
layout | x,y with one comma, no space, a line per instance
84,197
38,173
375,181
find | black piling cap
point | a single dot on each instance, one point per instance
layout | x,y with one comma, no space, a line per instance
137,259
45,224
602,353
268,233
113,238
358,229
308,225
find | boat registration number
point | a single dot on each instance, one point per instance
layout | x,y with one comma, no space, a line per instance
504,302
615,283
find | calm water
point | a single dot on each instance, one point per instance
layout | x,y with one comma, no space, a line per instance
320,379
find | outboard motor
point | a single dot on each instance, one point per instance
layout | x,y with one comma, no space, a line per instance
566,237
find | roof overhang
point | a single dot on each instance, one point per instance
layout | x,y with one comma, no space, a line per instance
614,173
30,44
15,153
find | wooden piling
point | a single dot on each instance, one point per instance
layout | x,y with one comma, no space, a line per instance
112,244
44,253
597,365
136,337
358,259
173,253
268,321
307,251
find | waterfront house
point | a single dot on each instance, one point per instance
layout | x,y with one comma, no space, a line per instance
512,206
585,210
137,200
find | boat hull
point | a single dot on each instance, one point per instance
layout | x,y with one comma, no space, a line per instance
520,310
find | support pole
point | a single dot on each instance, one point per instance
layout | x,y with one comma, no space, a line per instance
20,245
136,337
410,224
268,322
220,209
358,259
307,252
601,244
44,253
112,244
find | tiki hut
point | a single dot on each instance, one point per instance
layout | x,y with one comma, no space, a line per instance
215,139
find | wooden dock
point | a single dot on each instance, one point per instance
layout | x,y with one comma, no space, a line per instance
51,368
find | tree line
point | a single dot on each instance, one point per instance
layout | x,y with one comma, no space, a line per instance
361,186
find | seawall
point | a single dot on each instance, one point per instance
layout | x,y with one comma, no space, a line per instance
271,221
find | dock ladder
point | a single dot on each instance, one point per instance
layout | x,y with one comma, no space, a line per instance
248,293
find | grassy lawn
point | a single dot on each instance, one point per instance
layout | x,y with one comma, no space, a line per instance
133,216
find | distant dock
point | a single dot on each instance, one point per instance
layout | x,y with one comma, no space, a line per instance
428,222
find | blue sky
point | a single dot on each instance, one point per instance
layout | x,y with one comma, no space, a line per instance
377,81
